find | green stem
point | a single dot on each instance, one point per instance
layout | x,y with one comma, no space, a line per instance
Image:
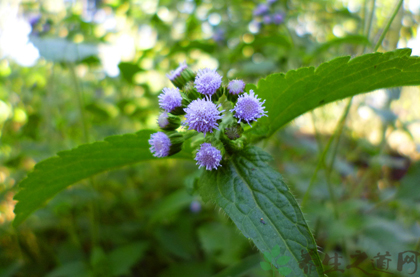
80,102
388,25
321,161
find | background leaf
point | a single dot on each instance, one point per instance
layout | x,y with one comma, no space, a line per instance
247,189
55,174
298,91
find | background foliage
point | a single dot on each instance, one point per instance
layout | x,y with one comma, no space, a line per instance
78,71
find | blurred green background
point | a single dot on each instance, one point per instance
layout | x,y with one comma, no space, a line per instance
76,71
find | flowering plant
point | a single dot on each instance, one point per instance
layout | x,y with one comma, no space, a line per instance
200,96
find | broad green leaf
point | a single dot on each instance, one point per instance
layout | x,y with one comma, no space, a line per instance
55,174
298,91
247,189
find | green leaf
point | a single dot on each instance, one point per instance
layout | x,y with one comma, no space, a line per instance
266,266
283,260
298,91
247,189
55,174
268,257
275,251
242,267
285,271
124,258
170,205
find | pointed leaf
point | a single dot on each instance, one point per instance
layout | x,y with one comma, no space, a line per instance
266,266
283,260
298,91
268,257
275,251
285,271
55,174
247,189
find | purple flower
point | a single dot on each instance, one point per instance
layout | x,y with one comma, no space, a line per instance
202,115
195,206
236,86
269,2
278,18
261,9
267,19
207,81
160,144
219,35
169,99
208,156
177,72
163,120
249,108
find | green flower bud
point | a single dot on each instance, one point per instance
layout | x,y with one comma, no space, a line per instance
167,121
191,91
180,76
177,140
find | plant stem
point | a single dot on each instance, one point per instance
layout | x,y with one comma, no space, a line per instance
388,25
80,102
321,162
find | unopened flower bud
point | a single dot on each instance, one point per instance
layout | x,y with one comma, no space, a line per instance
182,75
190,91
167,121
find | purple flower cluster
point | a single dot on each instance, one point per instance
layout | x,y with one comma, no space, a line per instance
263,15
196,96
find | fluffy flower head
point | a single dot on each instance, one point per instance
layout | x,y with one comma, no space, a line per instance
236,86
208,156
169,99
177,72
163,120
249,108
207,81
202,115
160,144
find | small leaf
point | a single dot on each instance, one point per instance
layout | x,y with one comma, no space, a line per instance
285,271
247,189
266,266
268,257
283,260
275,251
299,91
